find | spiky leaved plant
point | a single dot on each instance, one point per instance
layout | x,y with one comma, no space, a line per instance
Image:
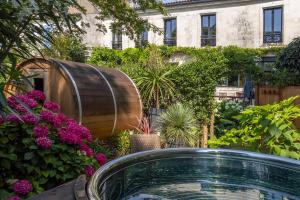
178,126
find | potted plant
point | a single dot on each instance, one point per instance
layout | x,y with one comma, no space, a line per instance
145,138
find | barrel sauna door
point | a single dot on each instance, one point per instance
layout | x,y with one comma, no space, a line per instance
39,80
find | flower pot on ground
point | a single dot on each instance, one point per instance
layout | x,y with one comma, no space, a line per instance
144,139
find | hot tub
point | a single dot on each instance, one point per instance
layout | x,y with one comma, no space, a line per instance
187,174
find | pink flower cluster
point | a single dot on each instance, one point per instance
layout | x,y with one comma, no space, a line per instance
49,126
89,170
85,148
54,107
41,130
101,158
73,133
15,102
22,187
44,142
37,95
29,118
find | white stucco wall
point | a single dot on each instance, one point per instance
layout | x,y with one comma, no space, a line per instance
238,24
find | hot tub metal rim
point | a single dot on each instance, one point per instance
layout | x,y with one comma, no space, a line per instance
101,173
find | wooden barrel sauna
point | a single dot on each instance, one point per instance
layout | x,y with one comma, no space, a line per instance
104,100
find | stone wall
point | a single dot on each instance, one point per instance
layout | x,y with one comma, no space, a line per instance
238,23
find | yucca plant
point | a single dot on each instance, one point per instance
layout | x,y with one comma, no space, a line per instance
178,126
155,81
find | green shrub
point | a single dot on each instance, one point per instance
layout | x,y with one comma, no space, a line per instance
267,129
225,116
119,143
178,126
67,47
196,82
105,57
288,62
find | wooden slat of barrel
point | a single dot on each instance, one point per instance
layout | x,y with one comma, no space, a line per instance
127,99
97,102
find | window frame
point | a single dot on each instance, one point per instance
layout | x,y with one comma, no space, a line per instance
117,44
170,41
264,23
209,28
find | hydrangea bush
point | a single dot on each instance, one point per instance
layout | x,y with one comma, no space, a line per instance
41,148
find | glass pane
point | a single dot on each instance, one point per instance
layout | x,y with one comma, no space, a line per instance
277,19
268,21
173,28
167,29
170,28
212,21
205,21
204,32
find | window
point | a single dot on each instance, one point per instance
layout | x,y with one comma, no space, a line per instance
38,84
273,25
233,81
170,32
142,40
117,39
208,30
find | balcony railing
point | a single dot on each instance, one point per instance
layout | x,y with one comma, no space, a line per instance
273,37
170,41
208,41
117,45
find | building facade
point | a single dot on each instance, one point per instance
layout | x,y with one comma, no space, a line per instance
198,23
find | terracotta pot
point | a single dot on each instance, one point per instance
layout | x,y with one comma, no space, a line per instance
144,142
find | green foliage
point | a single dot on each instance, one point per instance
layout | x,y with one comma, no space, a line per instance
225,116
123,143
267,129
26,27
67,47
196,82
155,81
178,126
119,144
288,62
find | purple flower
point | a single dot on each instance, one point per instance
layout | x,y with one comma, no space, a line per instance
54,107
41,130
21,109
37,95
85,133
44,142
28,101
47,116
89,170
88,151
29,118
14,198
68,137
101,158
12,101
13,118
22,187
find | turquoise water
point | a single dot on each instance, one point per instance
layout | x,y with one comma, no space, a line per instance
205,176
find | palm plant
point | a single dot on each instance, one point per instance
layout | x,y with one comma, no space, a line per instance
155,82
178,126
